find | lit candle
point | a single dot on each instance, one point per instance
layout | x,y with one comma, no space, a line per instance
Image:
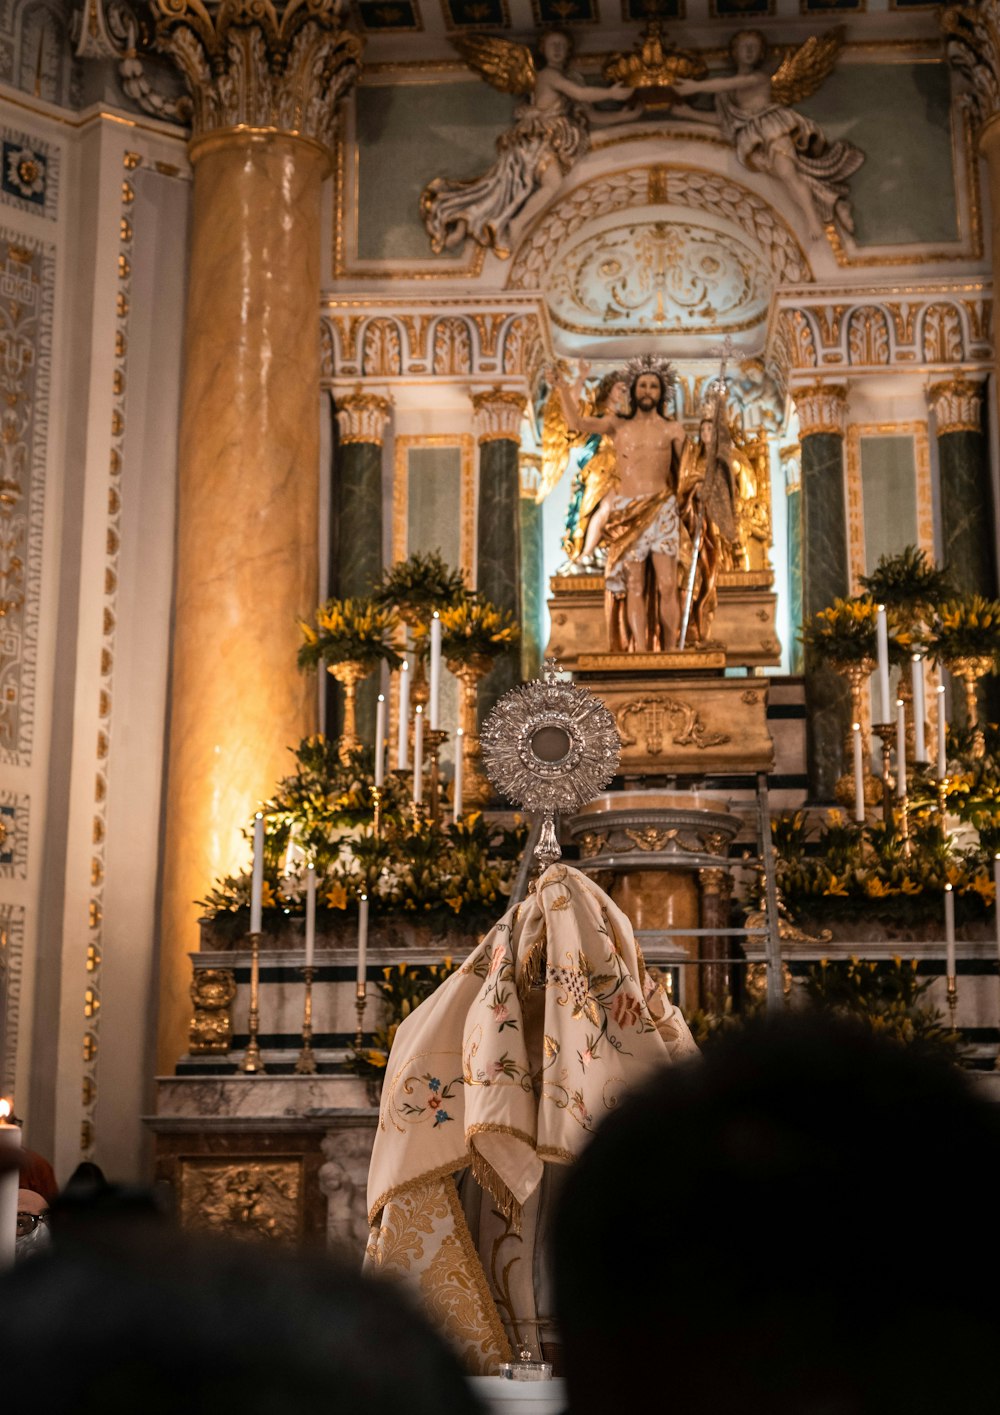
362,943
257,879
435,682
942,730
859,774
919,709
310,914
882,635
900,747
403,735
457,789
949,930
418,756
380,740
10,1140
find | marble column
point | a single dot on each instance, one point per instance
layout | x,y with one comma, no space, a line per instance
532,566
968,542
791,458
825,570
356,542
264,94
498,415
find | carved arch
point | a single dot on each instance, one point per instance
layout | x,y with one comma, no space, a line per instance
655,185
942,335
801,339
451,346
868,340
382,349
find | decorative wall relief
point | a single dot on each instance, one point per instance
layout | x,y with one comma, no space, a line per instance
11,955
27,271
29,173
14,809
252,1198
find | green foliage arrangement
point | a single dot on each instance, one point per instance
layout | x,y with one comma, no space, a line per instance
846,632
885,996
402,988
909,583
346,629
415,587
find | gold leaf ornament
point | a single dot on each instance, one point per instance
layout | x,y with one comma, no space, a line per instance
504,65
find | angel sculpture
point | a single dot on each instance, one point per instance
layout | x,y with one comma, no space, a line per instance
551,131
769,136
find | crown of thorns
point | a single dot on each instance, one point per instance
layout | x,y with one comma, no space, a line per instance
649,363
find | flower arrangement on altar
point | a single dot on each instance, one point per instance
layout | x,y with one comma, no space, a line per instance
965,627
908,584
847,632
358,630
474,629
402,987
322,814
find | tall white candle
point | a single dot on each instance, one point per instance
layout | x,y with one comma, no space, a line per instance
380,740
403,729
457,788
10,1143
435,679
418,756
310,915
900,747
362,942
942,730
919,709
882,637
257,878
949,930
859,774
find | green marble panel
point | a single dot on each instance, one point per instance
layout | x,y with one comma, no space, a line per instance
356,553
824,577
793,507
967,521
498,552
899,115
888,496
532,587
408,134
434,496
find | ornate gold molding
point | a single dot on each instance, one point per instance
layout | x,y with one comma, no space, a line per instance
251,66
362,417
956,405
212,993
822,407
973,41
498,414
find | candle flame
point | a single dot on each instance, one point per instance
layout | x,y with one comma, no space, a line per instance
381,697
6,1109
947,889
855,726
461,732
420,707
406,666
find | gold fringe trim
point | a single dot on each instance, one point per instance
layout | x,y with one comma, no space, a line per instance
427,1176
486,1176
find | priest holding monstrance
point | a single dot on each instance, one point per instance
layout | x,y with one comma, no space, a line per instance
498,1080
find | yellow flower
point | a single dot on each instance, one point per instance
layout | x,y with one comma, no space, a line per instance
267,899
835,817
336,897
836,886
876,889
984,887
911,886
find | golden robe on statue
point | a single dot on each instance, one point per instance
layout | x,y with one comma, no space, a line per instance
492,1085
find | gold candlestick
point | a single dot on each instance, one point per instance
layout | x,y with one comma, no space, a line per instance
377,810
942,795
306,1064
886,732
904,824
476,790
419,812
349,674
951,994
360,1002
253,1062
857,675
435,739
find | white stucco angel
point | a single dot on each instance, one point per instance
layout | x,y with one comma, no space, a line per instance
769,136
551,131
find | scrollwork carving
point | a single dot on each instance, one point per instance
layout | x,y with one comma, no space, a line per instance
663,717
212,992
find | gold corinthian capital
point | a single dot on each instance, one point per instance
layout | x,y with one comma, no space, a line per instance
498,414
822,407
259,67
956,405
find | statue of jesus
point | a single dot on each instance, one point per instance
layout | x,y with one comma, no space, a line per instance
638,521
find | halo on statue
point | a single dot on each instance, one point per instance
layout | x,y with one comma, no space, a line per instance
549,746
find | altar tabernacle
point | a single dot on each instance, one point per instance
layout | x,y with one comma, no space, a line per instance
501,1074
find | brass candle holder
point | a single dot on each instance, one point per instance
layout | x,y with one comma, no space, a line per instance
904,824
377,811
420,813
886,732
306,1064
942,797
360,1002
434,739
253,1062
951,996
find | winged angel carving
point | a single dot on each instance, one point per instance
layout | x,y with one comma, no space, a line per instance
551,130
753,108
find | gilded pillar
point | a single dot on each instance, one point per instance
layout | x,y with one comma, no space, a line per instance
825,575
498,523
532,566
356,542
264,87
968,544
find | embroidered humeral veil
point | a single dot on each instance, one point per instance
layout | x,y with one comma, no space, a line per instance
496,1079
